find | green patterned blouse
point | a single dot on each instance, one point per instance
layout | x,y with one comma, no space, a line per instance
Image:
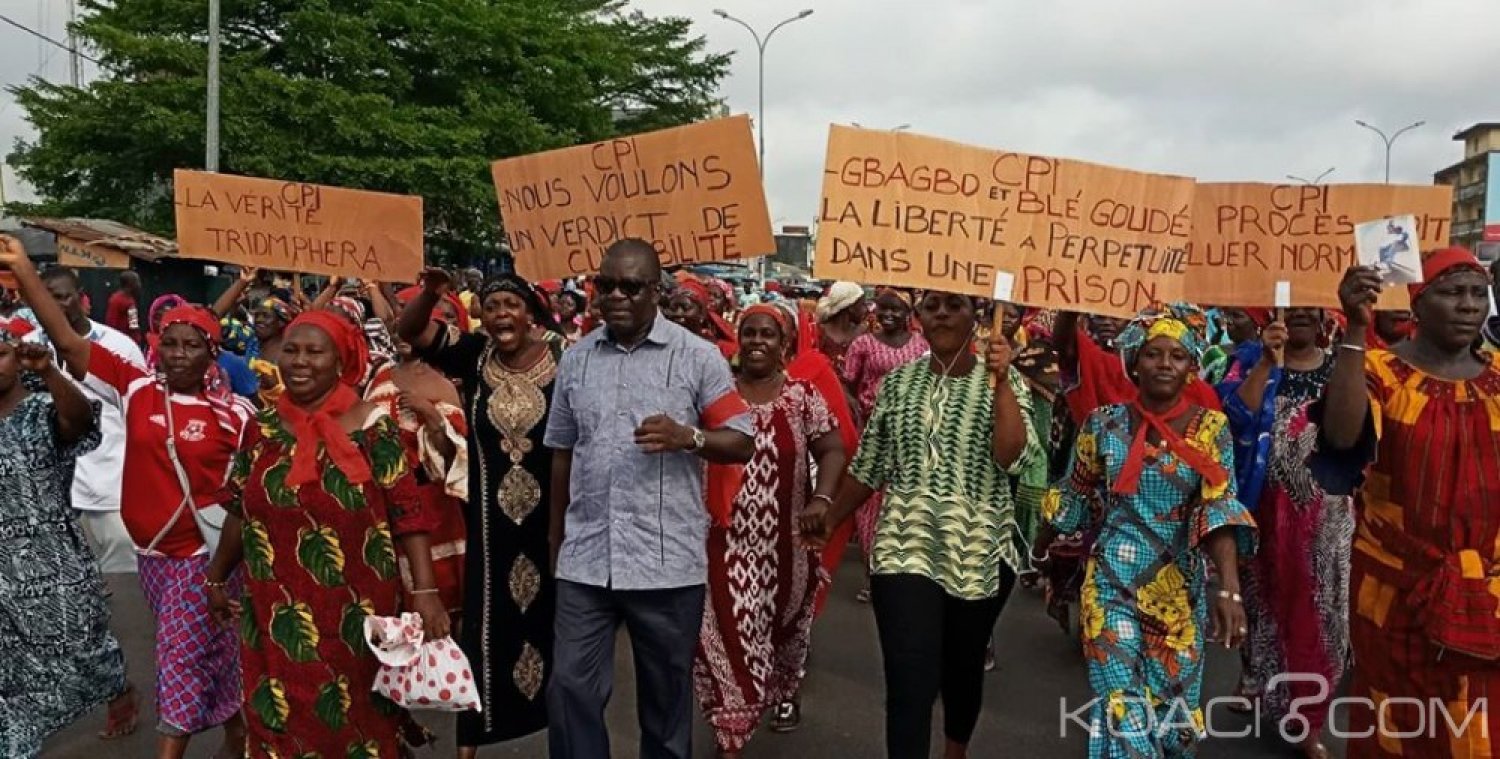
948,513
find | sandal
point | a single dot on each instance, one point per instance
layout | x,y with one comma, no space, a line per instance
787,717
415,734
124,715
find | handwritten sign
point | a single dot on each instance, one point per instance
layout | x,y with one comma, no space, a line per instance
694,192
1252,242
914,211
81,255
298,227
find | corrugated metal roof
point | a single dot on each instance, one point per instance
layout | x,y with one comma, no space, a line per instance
103,233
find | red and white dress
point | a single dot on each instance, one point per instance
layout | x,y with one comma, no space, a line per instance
443,484
197,658
763,581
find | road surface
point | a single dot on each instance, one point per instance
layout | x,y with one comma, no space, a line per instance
842,713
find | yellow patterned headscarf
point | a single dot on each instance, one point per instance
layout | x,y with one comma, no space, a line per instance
1183,322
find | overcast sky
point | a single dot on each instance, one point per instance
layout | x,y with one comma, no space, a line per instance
1236,90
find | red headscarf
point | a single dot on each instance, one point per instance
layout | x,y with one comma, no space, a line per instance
216,386
722,333
465,320
314,426
1261,316
1441,262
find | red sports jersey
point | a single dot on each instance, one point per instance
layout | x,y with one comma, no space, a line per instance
151,492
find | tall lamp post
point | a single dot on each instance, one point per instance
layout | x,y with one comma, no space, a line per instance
211,141
760,116
1318,180
1389,141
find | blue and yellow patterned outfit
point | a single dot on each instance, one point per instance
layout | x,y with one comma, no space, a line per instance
1144,607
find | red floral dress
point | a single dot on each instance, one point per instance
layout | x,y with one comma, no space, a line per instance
319,559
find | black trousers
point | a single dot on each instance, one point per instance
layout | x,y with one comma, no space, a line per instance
663,626
932,643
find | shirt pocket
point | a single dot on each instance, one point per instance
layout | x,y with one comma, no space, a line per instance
678,402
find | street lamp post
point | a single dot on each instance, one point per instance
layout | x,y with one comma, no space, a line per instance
1389,141
211,136
1318,180
760,116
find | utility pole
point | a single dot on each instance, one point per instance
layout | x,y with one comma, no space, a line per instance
211,159
75,60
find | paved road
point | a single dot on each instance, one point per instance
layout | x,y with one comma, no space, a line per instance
842,715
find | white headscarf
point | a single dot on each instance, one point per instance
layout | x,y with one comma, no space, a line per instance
841,296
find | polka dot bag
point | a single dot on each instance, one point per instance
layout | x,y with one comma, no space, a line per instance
418,674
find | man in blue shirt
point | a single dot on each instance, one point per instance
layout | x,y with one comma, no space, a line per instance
638,407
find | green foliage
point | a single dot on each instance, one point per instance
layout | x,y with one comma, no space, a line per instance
407,96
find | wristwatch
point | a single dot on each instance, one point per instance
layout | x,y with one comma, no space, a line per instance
699,440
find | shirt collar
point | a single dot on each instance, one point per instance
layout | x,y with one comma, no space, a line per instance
660,334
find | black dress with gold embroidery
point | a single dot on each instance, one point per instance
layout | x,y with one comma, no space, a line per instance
509,598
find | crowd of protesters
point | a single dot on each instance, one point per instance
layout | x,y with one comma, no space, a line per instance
529,466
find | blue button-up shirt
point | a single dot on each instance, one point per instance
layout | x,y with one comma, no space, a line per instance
635,521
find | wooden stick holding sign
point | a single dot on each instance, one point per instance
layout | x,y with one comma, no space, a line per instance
693,192
298,227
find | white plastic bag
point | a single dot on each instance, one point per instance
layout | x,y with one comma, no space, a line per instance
419,674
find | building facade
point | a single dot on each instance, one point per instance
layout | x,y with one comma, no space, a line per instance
1476,190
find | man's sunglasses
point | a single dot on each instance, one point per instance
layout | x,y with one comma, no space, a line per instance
630,288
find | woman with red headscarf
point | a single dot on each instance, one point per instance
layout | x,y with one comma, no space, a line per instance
1425,573
763,580
691,307
182,426
321,502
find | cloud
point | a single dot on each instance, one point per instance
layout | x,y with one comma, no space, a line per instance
1238,89
1223,91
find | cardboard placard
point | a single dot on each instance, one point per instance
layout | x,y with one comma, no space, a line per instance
694,192
1250,237
81,255
913,211
298,227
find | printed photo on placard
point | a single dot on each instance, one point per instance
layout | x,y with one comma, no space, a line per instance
1391,245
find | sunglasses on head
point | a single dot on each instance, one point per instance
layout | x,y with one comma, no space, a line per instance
630,288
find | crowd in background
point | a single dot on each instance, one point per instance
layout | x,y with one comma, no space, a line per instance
530,466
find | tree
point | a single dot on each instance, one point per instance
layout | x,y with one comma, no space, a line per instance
406,96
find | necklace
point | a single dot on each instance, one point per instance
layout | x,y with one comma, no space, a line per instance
947,369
